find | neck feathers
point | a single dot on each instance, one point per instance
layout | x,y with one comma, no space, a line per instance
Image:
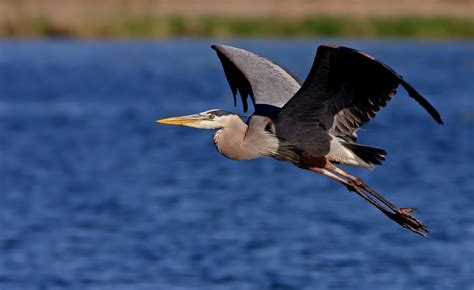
240,141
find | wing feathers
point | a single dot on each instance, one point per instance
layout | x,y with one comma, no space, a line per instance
353,86
422,101
267,83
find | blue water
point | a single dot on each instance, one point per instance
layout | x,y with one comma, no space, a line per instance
94,195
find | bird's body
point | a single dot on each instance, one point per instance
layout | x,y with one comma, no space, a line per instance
311,124
258,138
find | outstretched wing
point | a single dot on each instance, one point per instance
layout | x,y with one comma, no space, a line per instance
268,84
344,90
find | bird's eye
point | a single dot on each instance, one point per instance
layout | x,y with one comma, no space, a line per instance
212,116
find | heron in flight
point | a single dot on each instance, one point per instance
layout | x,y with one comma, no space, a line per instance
312,123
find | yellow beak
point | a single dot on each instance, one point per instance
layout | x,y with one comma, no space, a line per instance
183,120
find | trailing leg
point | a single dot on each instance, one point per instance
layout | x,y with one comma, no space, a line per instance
399,215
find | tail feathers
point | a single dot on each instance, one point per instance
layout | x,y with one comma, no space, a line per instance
370,155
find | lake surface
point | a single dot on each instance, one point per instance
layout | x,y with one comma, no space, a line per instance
94,195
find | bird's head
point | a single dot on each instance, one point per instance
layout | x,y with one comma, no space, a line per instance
212,119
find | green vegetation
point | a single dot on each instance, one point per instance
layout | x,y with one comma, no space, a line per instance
126,26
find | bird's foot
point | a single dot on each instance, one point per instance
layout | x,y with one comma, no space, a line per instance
403,217
407,209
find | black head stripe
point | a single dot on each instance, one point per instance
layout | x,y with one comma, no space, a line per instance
219,112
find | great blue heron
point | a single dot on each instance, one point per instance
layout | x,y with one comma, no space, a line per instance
311,124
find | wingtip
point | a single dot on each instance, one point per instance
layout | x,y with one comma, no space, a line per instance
219,47
436,116
422,101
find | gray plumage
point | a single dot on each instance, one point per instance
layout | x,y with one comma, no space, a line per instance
311,124
251,75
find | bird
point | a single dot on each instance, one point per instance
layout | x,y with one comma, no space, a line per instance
309,123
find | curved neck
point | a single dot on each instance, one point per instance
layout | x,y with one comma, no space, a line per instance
237,140
229,140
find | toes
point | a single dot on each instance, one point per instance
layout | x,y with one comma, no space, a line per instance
408,210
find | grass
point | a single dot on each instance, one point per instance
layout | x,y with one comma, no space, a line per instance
133,26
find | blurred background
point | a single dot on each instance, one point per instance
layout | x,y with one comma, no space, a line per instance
165,18
95,195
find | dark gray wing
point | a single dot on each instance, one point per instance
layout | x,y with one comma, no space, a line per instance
268,84
344,90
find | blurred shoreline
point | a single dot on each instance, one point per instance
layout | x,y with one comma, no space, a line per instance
432,19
